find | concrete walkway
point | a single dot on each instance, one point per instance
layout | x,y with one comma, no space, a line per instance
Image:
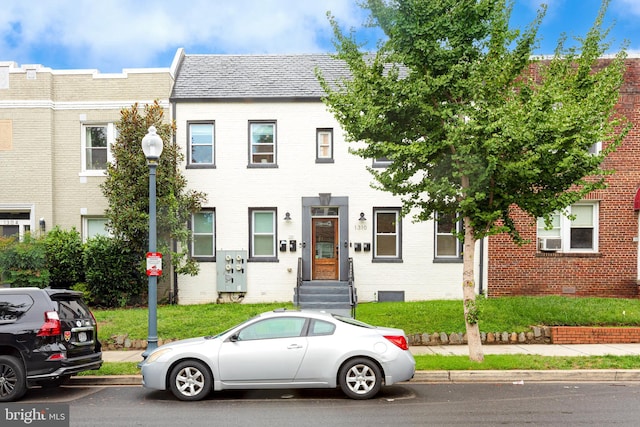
462,350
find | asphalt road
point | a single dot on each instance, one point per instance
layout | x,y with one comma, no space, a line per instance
490,404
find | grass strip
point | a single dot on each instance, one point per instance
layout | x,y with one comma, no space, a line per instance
460,363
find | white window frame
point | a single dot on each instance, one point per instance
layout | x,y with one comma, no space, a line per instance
253,233
563,226
86,227
191,144
111,138
397,234
212,233
437,233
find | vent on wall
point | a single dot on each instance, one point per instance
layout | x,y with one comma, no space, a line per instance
550,244
390,296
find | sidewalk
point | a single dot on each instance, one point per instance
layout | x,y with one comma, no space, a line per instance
516,377
462,350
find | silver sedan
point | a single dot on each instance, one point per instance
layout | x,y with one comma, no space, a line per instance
283,349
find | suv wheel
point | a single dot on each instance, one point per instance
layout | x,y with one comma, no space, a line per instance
13,383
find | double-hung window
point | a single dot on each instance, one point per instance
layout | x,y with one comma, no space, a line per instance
263,234
262,144
203,228
201,141
575,232
447,244
387,234
93,227
96,147
324,145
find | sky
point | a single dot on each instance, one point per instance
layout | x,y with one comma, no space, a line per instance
112,35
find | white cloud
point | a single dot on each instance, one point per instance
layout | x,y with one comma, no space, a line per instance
627,6
133,33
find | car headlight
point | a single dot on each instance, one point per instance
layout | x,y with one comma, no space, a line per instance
157,354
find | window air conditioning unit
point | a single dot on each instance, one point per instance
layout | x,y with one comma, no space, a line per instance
550,244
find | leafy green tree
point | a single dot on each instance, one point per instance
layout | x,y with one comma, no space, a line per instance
64,257
471,123
127,189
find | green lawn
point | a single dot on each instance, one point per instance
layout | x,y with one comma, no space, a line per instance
515,314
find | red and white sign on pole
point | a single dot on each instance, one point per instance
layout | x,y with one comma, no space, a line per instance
154,263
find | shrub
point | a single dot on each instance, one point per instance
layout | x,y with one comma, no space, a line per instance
64,257
113,272
23,263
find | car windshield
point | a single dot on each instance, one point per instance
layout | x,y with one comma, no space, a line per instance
351,321
233,327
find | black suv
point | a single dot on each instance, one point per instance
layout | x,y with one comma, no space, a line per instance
46,336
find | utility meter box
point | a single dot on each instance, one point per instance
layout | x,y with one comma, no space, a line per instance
231,271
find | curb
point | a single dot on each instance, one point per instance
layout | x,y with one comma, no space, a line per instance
518,376
512,376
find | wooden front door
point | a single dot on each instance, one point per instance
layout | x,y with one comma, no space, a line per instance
324,250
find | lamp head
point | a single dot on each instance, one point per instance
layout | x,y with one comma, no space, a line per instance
152,145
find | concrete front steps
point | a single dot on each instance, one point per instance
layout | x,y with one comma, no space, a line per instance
332,296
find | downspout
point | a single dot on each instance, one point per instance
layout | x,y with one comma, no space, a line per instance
481,269
636,208
174,244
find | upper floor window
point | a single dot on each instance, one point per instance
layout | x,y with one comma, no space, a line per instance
387,233
201,140
381,162
97,140
263,233
203,242
262,143
596,148
447,244
324,145
575,232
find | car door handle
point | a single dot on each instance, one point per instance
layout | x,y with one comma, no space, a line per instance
294,347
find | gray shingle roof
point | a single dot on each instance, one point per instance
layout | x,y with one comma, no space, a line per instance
226,77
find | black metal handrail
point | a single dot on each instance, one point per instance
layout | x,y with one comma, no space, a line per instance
353,297
298,282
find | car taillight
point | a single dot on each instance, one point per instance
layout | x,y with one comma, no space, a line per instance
51,326
398,340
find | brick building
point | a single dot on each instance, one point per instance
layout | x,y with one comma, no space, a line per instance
605,262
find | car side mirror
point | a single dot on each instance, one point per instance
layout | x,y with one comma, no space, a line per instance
234,338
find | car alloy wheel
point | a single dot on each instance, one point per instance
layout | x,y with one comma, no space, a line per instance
360,378
190,380
13,383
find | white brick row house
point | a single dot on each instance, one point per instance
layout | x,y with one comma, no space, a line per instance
287,202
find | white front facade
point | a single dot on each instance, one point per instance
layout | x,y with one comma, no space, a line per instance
294,185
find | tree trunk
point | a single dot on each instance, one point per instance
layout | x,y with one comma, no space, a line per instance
469,294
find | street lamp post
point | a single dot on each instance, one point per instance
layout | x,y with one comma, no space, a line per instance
152,148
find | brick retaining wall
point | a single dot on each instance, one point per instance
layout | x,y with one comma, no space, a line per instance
593,335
